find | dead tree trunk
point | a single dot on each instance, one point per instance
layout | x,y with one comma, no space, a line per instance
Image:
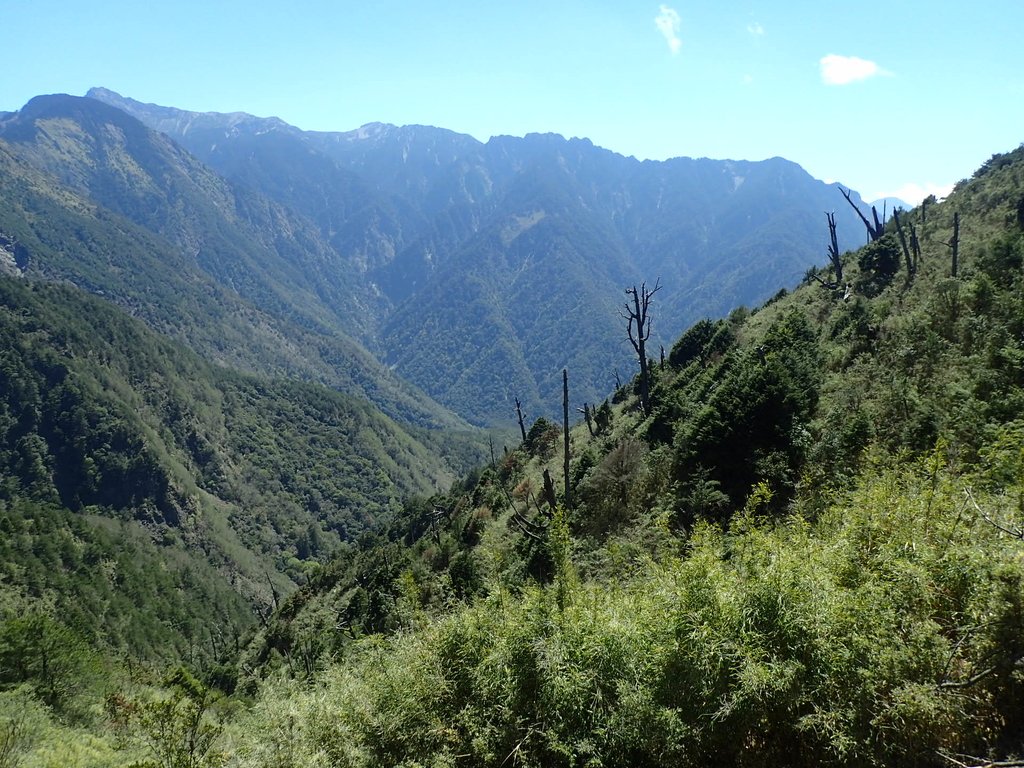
911,265
833,255
585,410
519,415
273,590
875,230
549,490
915,245
833,248
954,244
638,329
565,432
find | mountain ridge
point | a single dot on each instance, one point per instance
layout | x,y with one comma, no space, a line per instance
123,211
407,206
807,550
786,539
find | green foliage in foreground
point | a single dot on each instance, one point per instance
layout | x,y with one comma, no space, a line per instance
887,631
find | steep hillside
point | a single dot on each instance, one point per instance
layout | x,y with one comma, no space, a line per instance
155,501
807,550
545,232
810,552
93,197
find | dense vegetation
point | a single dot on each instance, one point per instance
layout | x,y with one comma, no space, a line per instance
809,552
152,500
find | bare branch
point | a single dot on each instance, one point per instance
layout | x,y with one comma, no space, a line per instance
978,762
638,313
977,677
911,265
874,231
1017,534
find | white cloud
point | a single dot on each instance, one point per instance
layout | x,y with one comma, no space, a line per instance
668,23
913,193
841,70
748,79
755,29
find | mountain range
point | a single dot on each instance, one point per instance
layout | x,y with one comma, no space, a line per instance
246,343
477,271
235,529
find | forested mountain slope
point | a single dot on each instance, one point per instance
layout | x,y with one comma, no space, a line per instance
160,503
93,197
494,264
809,552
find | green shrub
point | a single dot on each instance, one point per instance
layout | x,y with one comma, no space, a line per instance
885,631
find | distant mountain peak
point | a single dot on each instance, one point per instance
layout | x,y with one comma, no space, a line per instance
890,203
371,130
172,119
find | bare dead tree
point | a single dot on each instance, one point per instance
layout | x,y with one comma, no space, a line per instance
833,255
436,517
911,263
954,244
273,590
638,329
565,433
915,245
833,248
549,489
875,230
519,415
587,417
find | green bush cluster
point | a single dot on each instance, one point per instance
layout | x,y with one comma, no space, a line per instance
883,633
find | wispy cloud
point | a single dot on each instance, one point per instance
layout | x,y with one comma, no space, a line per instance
841,70
913,193
755,29
668,23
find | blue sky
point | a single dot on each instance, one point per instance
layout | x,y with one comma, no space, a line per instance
899,98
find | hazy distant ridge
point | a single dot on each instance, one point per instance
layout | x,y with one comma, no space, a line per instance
490,266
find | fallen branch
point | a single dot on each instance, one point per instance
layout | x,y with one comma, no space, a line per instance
1017,534
978,762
